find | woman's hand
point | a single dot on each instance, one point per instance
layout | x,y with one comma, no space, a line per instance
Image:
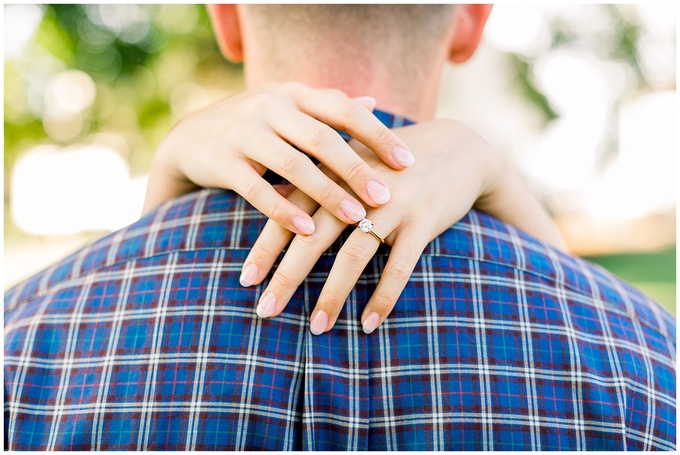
230,145
455,168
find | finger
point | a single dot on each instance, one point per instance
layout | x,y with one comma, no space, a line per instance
324,143
403,258
303,253
338,110
271,241
267,200
303,173
350,262
367,101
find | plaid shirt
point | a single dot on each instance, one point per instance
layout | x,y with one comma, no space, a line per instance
145,340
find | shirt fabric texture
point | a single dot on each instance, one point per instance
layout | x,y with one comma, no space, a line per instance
145,340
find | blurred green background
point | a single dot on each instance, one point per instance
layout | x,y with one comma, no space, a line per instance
145,62
114,79
652,273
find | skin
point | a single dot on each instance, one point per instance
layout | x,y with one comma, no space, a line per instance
255,131
311,216
238,42
447,152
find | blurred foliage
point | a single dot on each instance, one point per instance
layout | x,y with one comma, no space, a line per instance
136,55
620,45
529,90
152,64
653,273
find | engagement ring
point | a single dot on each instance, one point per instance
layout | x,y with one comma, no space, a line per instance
366,226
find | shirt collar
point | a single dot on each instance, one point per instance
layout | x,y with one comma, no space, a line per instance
386,118
392,120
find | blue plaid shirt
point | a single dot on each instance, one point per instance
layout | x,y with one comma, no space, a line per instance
145,340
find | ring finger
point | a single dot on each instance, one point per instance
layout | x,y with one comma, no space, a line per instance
349,264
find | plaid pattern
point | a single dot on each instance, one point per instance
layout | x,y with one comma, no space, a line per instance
145,340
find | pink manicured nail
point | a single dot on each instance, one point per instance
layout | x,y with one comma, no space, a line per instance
403,156
248,275
266,306
304,225
368,101
352,210
378,192
371,322
319,323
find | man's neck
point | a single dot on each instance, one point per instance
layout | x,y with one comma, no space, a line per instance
414,101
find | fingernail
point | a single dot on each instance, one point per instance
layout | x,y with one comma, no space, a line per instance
319,322
304,225
368,101
371,322
378,192
352,210
248,275
266,306
403,156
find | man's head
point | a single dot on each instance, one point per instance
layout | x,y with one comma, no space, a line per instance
377,50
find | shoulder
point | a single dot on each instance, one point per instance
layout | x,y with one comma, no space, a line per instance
484,239
210,219
201,220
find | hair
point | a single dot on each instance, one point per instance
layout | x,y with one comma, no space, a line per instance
401,38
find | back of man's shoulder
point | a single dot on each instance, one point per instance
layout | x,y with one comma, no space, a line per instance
483,239
201,220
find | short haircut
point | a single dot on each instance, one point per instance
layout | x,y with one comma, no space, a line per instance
403,37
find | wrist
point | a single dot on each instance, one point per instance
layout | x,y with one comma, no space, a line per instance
497,174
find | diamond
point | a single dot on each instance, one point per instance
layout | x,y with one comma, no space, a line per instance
365,225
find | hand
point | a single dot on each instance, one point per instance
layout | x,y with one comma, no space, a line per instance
456,170
455,167
230,145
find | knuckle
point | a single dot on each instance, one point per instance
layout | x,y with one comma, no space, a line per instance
382,304
384,136
327,193
331,300
283,279
291,164
354,254
350,110
356,170
319,137
260,251
251,190
233,135
400,270
279,213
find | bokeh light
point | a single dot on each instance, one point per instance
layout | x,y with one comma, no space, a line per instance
50,187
